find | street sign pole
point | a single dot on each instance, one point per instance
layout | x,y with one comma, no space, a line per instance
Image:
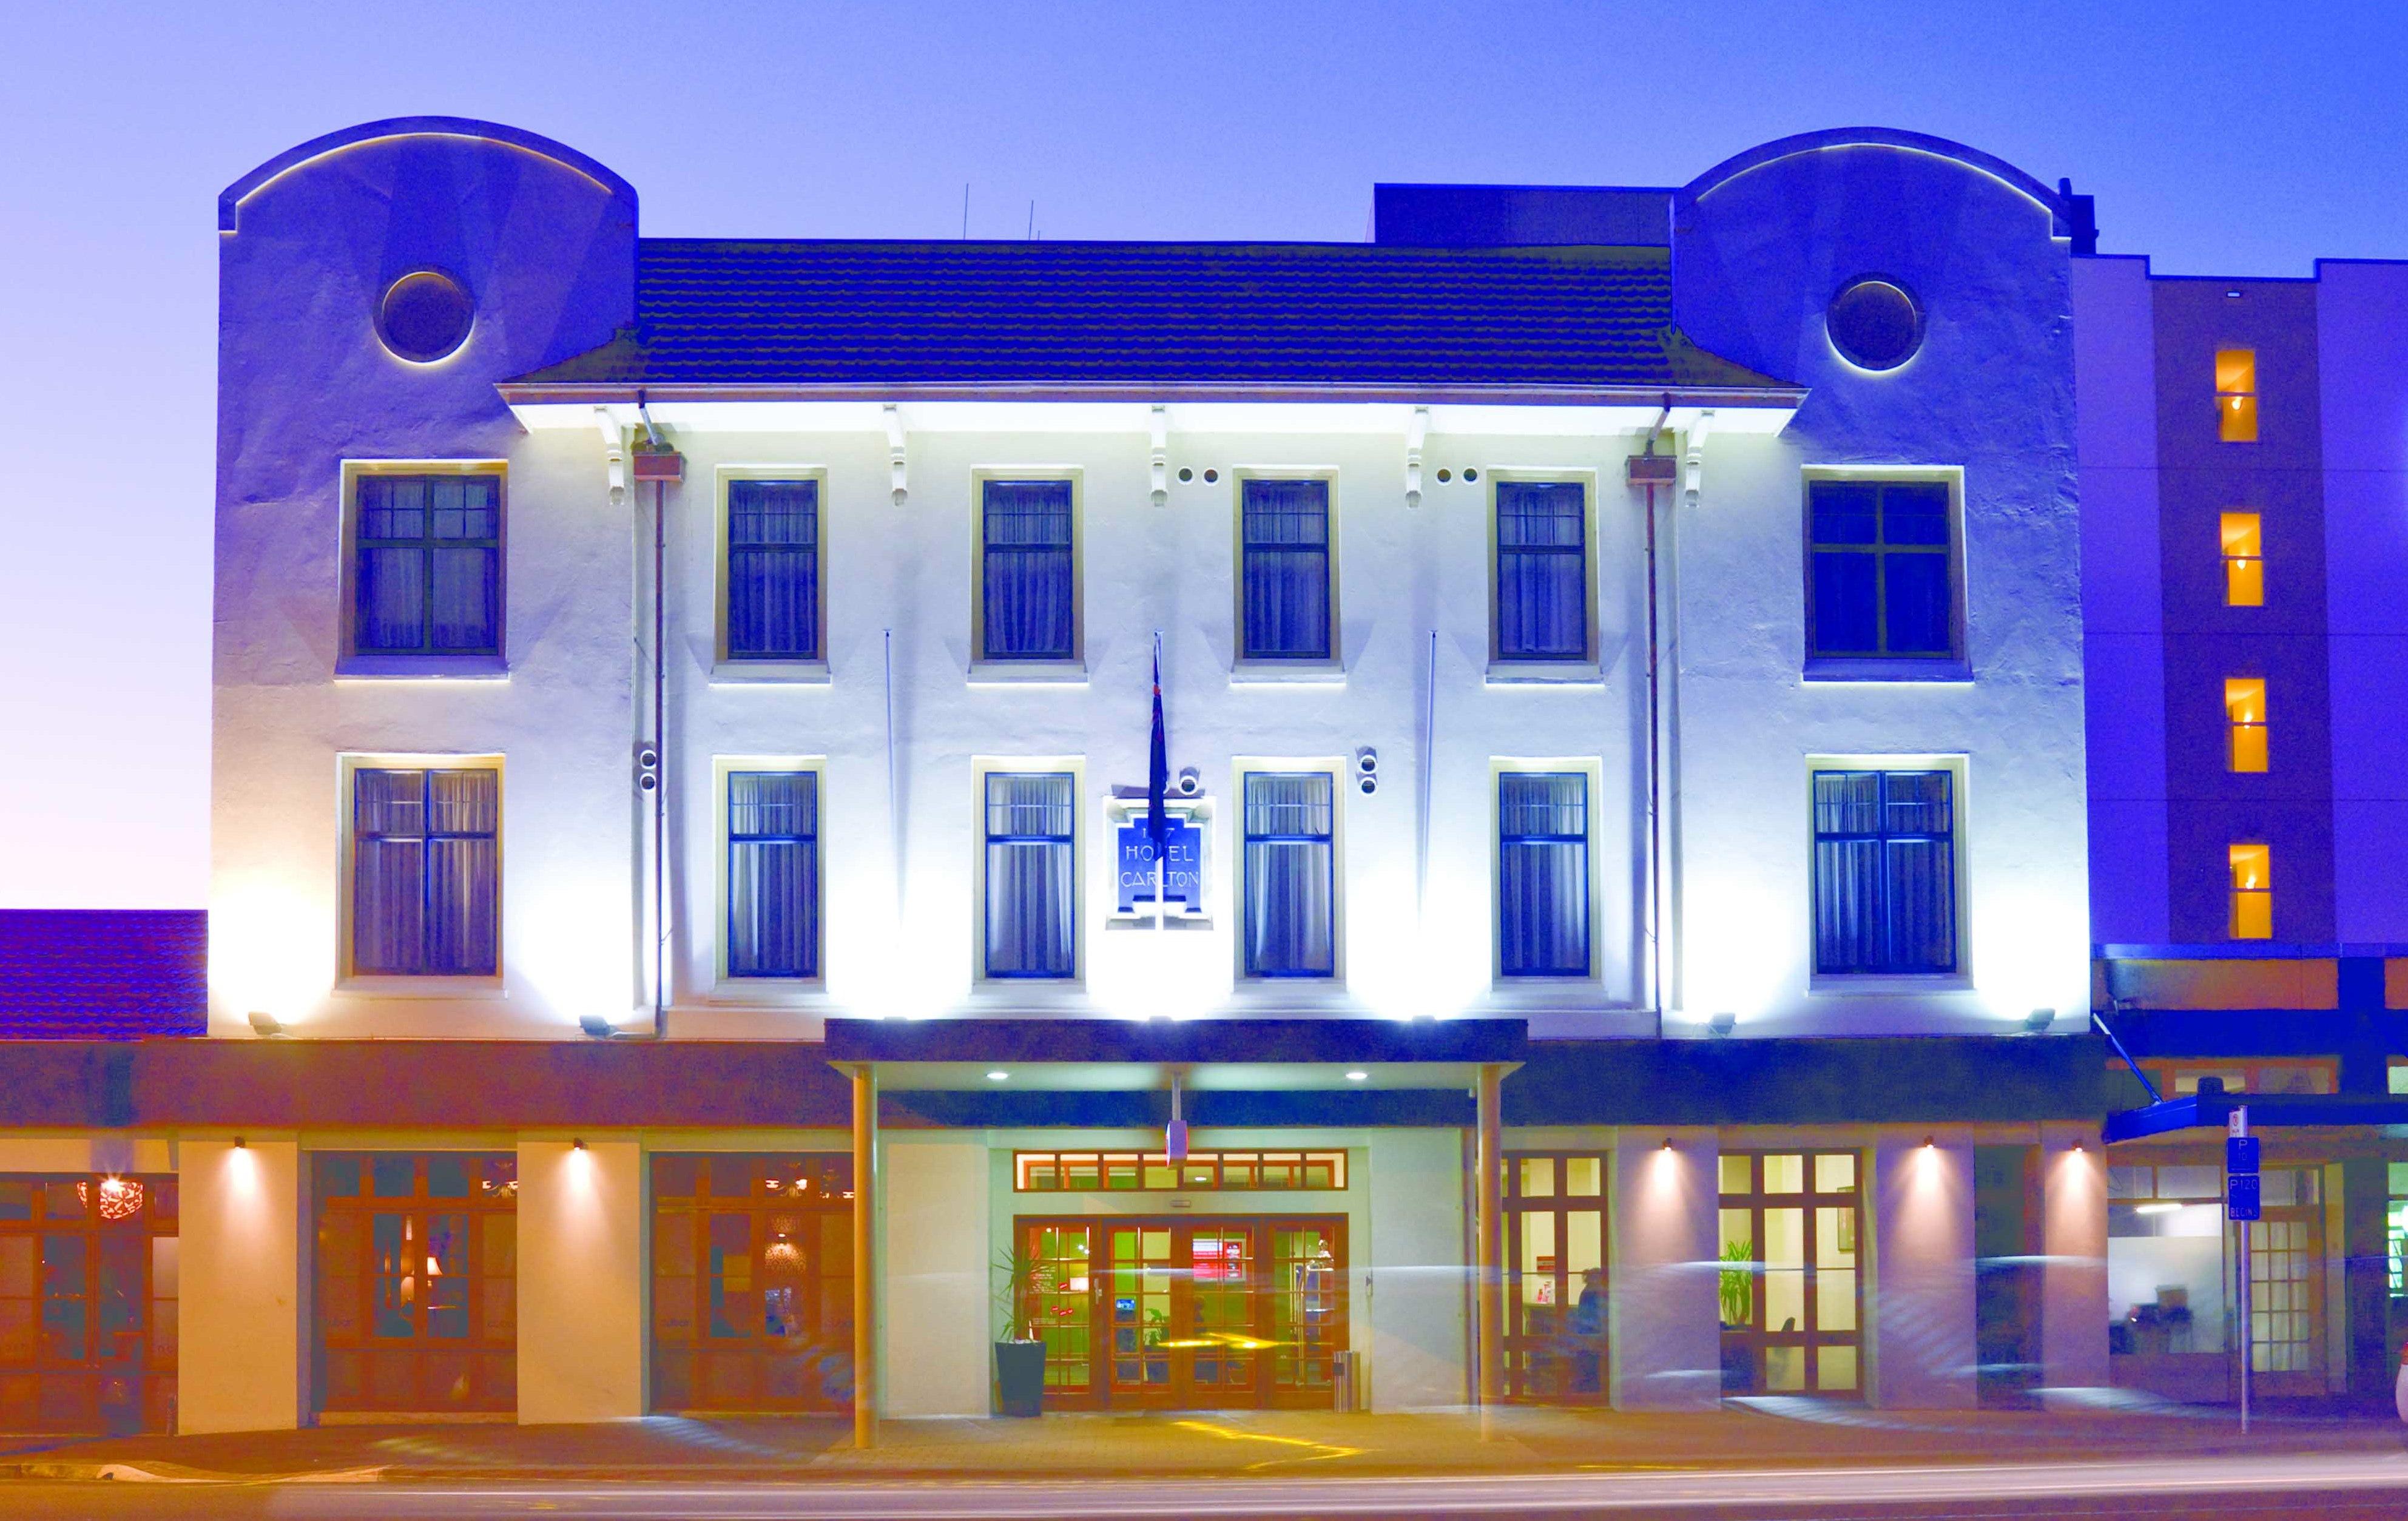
2241,1198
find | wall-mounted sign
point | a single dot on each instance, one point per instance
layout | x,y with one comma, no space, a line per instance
1182,867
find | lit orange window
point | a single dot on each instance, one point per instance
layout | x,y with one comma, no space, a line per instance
2252,893
2244,705
2244,560
2236,396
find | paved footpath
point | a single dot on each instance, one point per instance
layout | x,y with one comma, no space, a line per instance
1756,1434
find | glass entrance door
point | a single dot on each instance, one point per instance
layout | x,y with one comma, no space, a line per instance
1218,1312
2286,1304
1788,1289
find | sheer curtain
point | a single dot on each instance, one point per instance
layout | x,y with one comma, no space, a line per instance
1884,872
1543,874
428,573
1031,876
1291,883
1285,535
773,879
1027,591
425,872
1542,570
773,570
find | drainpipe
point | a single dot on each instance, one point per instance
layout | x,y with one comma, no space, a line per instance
1648,473
660,733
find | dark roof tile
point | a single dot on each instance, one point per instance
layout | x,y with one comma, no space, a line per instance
97,974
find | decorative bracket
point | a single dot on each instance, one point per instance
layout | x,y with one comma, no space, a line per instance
1158,426
1416,433
895,472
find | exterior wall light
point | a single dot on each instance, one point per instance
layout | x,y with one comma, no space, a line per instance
2039,1020
577,1145
240,1144
595,1025
1926,1144
1722,1022
1357,1077
265,1026
1668,1143
998,1075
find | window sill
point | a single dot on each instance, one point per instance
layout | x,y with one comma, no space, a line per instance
422,668
769,672
752,991
1546,673
1028,673
1876,668
1274,672
424,988
1888,983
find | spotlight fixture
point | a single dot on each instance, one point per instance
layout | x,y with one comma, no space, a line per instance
2039,1020
595,1025
240,1144
1722,1022
1926,1144
998,1075
577,1145
1357,1077
1668,1143
264,1025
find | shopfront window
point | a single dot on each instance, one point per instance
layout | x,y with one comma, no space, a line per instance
752,1282
1789,1286
2173,1270
88,1303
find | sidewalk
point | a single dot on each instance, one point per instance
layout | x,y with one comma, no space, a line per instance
1755,1434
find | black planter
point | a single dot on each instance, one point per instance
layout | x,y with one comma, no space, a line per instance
1020,1376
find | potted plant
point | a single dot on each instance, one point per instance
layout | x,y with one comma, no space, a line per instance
1020,1351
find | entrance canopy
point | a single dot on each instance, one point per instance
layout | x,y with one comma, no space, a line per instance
1232,1072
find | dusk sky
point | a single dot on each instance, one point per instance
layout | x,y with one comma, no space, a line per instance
2215,141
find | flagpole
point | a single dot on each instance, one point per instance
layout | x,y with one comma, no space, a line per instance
1153,799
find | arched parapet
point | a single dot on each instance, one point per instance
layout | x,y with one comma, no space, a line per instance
2058,205
231,199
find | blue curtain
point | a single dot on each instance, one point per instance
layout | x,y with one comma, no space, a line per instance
1884,872
428,574
1291,876
773,570
425,872
1542,570
1543,874
773,877
1031,876
1284,555
1027,590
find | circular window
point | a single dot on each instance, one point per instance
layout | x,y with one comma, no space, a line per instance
1874,324
425,316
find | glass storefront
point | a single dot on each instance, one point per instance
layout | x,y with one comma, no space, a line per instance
88,1298
417,1283
751,1283
2172,1271
1556,1291
1790,1290
1209,1313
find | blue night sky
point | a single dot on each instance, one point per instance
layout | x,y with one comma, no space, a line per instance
2215,141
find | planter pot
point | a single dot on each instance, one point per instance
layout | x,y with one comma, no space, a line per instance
1020,1376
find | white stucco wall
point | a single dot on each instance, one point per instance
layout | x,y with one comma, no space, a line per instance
1919,1302
1413,1277
1663,1329
240,1337
582,1280
937,1308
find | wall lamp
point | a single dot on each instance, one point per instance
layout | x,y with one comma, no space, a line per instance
1722,1023
265,1026
597,1026
2039,1020
240,1144
577,1145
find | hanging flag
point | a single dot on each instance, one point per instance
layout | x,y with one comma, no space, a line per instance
1157,781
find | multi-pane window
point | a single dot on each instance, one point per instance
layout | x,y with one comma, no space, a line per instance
1031,875
2242,538
1284,570
427,573
1790,1298
773,570
1884,872
2251,914
1543,874
773,874
1073,1173
1882,580
2236,396
1028,588
1291,888
2245,711
426,871
1542,570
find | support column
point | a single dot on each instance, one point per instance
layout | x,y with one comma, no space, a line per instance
2073,1255
241,1336
580,1241
865,1261
1490,1269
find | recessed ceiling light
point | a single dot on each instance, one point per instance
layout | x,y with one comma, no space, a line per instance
1357,1077
997,1075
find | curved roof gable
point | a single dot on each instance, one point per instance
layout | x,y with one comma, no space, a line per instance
2058,205
230,200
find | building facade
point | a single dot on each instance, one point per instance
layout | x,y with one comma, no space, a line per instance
700,919
2242,481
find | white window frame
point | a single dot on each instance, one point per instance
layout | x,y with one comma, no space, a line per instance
1593,767
350,664
448,985
1961,814
1029,989
722,767
1243,668
1340,770
984,671
731,671
1589,669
